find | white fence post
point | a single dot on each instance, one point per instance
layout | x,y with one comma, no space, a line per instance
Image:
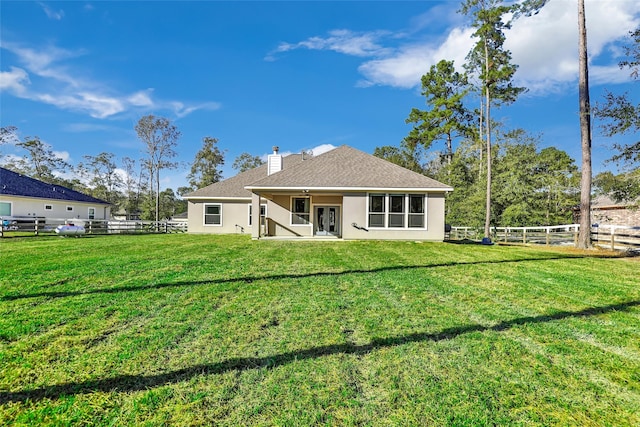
613,238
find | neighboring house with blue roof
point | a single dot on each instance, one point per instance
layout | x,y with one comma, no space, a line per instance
22,196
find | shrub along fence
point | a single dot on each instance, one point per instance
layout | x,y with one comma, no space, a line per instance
21,226
609,236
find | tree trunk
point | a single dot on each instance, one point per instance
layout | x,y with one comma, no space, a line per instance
487,219
157,195
584,237
480,133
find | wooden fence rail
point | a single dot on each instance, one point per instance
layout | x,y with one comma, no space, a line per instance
20,226
610,236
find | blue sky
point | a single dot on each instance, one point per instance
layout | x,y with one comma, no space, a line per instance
296,74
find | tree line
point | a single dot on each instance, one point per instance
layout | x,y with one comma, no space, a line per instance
500,176
131,186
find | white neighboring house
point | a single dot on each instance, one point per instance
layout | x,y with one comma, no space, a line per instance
343,193
25,197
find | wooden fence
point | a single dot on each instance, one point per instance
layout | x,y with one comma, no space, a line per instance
25,226
613,237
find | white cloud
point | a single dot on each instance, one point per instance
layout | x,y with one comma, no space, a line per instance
544,46
95,105
181,110
320,149
317,150
362,44
52,14
48,77
14,80
141,98
405,68
8,159
62,155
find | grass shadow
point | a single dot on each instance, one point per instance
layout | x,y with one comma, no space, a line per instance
133,383
251,279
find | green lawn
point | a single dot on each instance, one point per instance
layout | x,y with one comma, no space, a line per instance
204,330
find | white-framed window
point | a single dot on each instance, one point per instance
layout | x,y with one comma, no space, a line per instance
213,214
377,209
263,214
48,207
91,213
417,211
396,210
300,210
69,208
5,208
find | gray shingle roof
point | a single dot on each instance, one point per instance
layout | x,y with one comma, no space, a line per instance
347,168
15,184
234,187
341,168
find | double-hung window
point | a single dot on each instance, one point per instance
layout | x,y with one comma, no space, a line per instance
377,210
300,210
416,211
396,211
213,214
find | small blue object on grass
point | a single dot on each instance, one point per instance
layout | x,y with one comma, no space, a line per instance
486,241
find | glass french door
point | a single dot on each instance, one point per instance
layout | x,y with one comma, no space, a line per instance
327,221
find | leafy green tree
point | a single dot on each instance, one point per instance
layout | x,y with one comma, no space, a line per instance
170,204
205,169
515,180
246,161
464,206
405,156
447,117
492,64
133,186
619,113
620,187
41,162
558,183
160,138
531,187
103,179
8,135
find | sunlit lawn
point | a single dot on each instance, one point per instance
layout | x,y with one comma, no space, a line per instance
205,330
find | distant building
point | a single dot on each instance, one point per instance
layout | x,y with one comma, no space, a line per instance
22,196
605,211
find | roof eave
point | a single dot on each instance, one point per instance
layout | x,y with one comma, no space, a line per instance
302,188
90,202
215,198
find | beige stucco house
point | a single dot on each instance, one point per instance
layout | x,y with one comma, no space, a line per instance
343,193
25,197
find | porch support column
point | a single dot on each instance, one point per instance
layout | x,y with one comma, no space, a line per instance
255,216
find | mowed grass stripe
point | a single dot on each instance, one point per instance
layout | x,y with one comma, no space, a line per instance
222,330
